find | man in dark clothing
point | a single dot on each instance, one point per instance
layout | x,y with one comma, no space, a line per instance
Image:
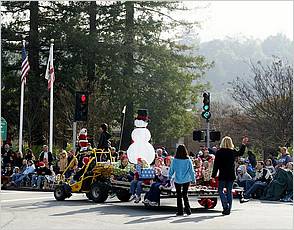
225,163
262,178
7,155
104,142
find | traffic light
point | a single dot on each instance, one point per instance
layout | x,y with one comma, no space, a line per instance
206,106
215,136
81,108
198,135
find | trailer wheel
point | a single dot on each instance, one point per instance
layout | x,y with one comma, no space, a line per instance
99,192
123,195
208,203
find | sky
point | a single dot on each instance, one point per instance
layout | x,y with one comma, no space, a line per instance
255,19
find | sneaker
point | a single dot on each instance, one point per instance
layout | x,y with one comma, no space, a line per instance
138,199
243,200
132,197
154,204
179,214
146,201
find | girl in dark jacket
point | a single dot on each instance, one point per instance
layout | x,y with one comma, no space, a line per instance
225,163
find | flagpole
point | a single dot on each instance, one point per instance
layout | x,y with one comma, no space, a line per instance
122,127
21,111
51,101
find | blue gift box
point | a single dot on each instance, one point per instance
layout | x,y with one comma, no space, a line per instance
147,173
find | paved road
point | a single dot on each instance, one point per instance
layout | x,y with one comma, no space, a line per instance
39,210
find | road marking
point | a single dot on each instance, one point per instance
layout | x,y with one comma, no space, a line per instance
24,199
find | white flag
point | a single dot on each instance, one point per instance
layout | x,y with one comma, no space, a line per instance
124,110
49,75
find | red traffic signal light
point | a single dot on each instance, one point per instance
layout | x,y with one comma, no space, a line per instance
83,98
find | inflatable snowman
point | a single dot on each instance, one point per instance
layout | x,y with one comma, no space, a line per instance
141,148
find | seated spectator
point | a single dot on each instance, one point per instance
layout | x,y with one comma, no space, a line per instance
29,155
269,166
262,178
284,158
25,175
250,169
242,176
281,187
41,171
6,175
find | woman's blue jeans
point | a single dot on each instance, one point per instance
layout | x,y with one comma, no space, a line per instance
226,198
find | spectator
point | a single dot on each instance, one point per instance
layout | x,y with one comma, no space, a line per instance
72,164
281,187
7,155
62,163
21,170
45,154
285,157
17,161
42,170
6,175
29,155
242,176
225,163
269,166
183,172
252,158
25,175
262,178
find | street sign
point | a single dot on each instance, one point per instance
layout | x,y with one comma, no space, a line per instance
3,129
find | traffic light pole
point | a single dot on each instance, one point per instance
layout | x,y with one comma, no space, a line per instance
207,135
74,135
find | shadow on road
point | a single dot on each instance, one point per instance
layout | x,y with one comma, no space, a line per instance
145,215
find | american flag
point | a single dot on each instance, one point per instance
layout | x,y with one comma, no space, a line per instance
50,76
25,67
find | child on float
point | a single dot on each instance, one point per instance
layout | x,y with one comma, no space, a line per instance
136,183
123,169
152,197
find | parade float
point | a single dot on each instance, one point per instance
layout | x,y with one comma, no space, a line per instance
98,179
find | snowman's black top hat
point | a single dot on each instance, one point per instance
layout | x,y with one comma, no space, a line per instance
143,115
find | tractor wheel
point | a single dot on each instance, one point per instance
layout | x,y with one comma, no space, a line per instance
60,193
208,203
123,195
99,192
